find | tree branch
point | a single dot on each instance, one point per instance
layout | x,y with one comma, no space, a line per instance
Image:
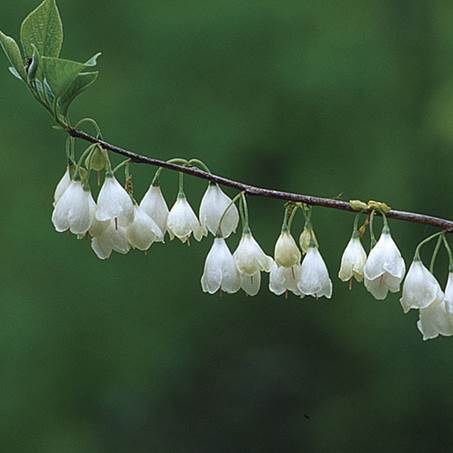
444,224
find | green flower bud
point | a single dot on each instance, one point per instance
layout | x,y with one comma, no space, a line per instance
379,206
358,205
306,238
96,160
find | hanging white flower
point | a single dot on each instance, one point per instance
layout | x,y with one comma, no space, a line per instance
97,228
109,237
449,293
62,185
182,221
250,257
220,270
251,261
435,320
353,261
212,209
114,203
384,268
154,204
92,205
143,231
283,279
74,211
250,283
286,252
420,288
314,279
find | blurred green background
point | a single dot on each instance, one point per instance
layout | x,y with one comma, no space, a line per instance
325,98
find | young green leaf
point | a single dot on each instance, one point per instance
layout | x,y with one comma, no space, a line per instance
83,81
43,28
93,61
14,55
14,72
60,73
50,97
34,66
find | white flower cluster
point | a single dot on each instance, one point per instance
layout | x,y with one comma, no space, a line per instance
117,223
421,291
383,271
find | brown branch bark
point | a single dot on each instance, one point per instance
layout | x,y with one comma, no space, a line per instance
444,224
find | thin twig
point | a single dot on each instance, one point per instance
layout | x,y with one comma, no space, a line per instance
444,224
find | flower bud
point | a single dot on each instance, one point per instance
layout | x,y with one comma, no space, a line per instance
96,160
358,205
286,252
306,238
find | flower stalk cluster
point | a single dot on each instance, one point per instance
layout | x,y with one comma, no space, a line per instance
116,222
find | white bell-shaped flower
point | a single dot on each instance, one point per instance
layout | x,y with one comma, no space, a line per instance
250,283
286,252
420,288
435,320
109,237
212,209
384,268
283,279
182,221
97,228
62,185
143,231
250,257
93,207
74,211
220,270
449,293
353,260
114,203
314,279
251,261
154,204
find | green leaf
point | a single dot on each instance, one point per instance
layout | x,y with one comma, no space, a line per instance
50,97
14,72
14,55
83,81
38,87
93,61
34,66
43,28
60,74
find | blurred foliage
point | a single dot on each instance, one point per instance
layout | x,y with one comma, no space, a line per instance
325,98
